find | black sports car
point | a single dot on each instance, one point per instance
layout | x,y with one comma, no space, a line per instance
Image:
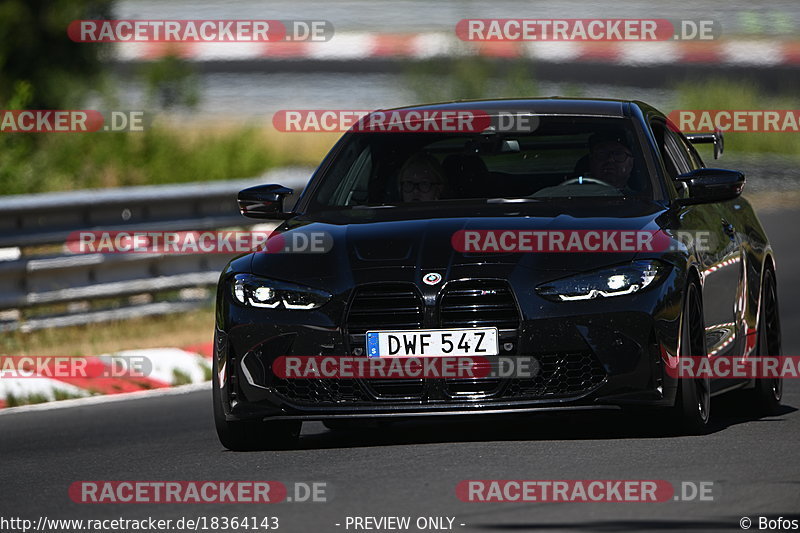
403,219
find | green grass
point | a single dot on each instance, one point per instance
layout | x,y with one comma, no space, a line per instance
172,330
68,161
468,78
723,94
207,374
13,400
179,377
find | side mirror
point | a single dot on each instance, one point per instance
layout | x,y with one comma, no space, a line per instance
263,201
708,185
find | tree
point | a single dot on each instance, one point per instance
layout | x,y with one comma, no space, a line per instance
40,67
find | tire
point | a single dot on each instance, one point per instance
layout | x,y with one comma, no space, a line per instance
252,435
768,393
692,409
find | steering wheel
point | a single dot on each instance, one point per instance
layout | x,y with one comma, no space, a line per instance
582,180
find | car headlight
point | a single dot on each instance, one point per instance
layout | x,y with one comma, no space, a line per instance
260,292
613,281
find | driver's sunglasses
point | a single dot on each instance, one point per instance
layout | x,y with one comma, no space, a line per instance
423,186
617,155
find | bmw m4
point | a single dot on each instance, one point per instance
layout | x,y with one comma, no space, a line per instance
429,246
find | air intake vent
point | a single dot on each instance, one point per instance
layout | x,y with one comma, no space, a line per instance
560,375
478,303
385,306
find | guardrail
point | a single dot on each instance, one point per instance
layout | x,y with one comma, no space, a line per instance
42,284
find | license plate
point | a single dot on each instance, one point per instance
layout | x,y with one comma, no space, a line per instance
433,343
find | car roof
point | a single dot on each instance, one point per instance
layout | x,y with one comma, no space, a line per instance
548,106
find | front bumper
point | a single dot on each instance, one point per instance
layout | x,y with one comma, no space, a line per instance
605,352
592,355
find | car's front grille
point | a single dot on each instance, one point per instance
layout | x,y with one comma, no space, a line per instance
396,389
463,304
320,391
560,375
473,388
478,303
384,306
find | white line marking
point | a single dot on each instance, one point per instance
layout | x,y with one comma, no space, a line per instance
108,398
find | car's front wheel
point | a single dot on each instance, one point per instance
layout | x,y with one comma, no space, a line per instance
768,392
692,409
250,435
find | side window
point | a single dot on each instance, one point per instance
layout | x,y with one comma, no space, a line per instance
678,158
354,187
685,152
666,149
347,183
686,147
676,153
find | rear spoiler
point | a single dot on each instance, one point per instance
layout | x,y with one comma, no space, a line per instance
706,138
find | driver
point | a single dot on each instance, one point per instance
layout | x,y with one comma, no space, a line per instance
421,179
610,160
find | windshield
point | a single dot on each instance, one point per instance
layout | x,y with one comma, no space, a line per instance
564,157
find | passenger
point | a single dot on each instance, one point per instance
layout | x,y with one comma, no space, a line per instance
421,179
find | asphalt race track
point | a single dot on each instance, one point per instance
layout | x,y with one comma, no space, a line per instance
412,469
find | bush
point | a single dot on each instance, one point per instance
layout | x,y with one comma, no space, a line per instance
158,155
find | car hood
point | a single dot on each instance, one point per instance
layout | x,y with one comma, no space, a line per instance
378,243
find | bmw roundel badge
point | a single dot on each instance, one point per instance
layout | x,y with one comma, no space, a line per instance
431,278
